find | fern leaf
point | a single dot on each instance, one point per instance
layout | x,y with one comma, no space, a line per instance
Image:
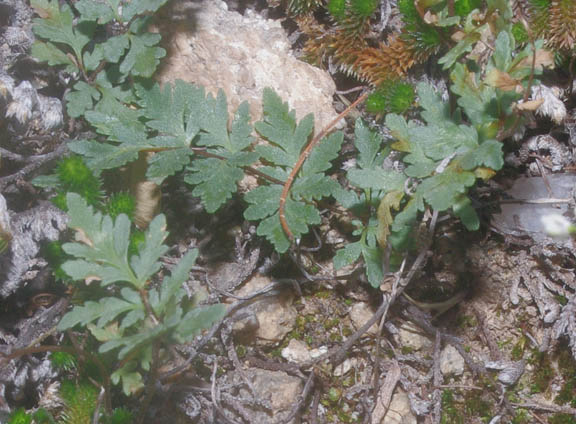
287,138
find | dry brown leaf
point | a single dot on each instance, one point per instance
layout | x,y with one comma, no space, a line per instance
458,36
502,80
544,59
530,105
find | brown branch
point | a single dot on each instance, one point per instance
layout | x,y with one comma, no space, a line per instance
36,349
33,163
303,156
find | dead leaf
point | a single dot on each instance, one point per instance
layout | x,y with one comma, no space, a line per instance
530,105
81,237
390,201
385,393
484,173
91,278
147,193
44,13
544,59
458,36
502,80
430,18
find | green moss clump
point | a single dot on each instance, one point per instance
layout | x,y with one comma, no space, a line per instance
392,96
407,350
63,360
567,367
323,294
543,373
562,419
136,239
519,33
540,4
331,323
476,406
20,416
521,417
464,7
80,400
335,337
121,203
337,8
347,331
76,177
450,410
518,349
364,8
408,11
120,416
55,256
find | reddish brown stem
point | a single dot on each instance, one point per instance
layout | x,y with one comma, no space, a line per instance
303,156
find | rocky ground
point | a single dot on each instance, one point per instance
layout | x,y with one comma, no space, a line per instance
487,332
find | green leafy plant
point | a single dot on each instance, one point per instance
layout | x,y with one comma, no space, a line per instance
137,318
287,140
68,42
180,127
445,148
374,183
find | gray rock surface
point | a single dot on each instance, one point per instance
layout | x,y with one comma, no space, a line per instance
211,46
399,411
278,389
360,313
271,317
451,362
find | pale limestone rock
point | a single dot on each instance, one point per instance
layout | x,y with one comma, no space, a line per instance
316,353
410,337
399,411
451,362
296,351
273,316
360,313
277,389
345,366
242,55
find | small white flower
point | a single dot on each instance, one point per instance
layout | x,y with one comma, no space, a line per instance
51,115
24,100
557,226
552,106
349,164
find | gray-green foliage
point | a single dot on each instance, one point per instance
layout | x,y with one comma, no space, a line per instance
185,130
68,41
137,313
287,139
